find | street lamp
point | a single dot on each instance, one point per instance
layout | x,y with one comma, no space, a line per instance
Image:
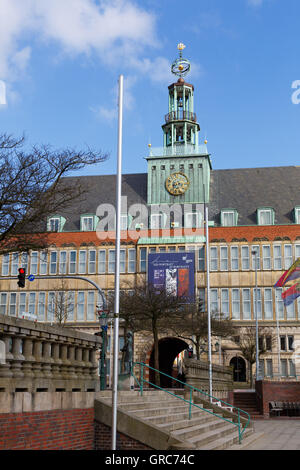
103,320
254,252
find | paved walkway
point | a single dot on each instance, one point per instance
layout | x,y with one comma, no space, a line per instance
279,434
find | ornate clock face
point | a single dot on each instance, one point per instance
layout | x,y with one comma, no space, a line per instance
177,184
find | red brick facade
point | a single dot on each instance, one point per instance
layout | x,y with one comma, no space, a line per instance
48,430
103,440
276,391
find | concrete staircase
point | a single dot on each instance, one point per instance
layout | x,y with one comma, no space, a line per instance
246,400
203,431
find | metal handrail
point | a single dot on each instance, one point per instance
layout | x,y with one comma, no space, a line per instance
190,401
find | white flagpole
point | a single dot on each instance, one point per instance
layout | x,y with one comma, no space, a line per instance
208,301
117,271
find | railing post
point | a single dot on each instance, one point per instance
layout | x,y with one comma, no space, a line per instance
239,424
142,378
191,398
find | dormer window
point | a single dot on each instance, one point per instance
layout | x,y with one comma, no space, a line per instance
55,223
229,217
297,215
265,216
87,223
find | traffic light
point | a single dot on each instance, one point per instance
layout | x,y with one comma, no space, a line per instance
21,277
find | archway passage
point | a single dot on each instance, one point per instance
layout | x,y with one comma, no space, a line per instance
239,369
168,350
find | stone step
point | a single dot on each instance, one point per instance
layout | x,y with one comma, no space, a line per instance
226,441
166,404
166,419
159,411
212,435
198,430
181,424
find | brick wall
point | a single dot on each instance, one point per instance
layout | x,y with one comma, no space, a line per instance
48,430
123,442
276,391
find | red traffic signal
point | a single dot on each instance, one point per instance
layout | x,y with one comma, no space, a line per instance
21,277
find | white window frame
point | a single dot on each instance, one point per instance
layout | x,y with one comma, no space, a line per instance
81,270
232,214
3,303
111,261
87,223
31,303
288,259
297,215
259,303
14,263
268,303
279,306
81,303
72,262
234,258
261,212
55,221
63,262
131,260
277,264
122,261
92,263
13,295
101,262
266,256
5,264
223,258
257,249
90,310
214,300
52,253
225,303
245,249
246,301
213,261
22,304
235,304
143,259
41,306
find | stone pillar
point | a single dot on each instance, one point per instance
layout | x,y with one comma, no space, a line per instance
56,364
72,374
65,362
18,358
6,370
79,364
37,353
87,364
29,358
47,360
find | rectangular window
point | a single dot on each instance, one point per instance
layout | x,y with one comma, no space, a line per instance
245,258
14,264
297,215
246,299
214,258
201,293
111,261
3,302
265,217
71,306
261,365
122,261
80,306
224,258
255,254
87,224
181,249
191,220
124,222
162,249
82,262
43,262
297,251
24,261
279,308
172,249
266,252
72,262
234,251
268,303
288,256
214,304
22,304
269,371
201,258
102,261
12,304
290,312
257,304
91,306
228,218
34,262
268,343
51,307
225,302
156,221
284,371
235,304
131,260
5,264
41,306
54,224
283,343
63,262
292,368
31,303
92,262
53,262
277,257
143,260
291,343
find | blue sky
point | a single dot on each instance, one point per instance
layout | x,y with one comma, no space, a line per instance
60,62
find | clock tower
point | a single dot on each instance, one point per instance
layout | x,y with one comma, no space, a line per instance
179,172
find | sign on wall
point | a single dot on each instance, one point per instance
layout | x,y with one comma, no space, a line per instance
174,272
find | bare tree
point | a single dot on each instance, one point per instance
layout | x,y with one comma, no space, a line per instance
62,304
193,326
146,308
32,188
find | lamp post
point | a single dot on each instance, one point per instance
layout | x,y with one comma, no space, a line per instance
103,320
254,252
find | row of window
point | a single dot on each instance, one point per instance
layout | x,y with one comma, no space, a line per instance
229,218
69,262
240,303
287,368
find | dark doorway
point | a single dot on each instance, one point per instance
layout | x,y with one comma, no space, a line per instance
168,348
239,369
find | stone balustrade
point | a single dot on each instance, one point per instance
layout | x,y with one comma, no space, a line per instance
197,375
43,358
